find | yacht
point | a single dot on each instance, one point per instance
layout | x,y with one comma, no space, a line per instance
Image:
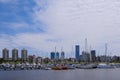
104,66
87,66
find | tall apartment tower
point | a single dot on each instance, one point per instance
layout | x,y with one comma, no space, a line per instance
15,54
24,55
57,55
85,56
52,55
77,55
62,55
5,54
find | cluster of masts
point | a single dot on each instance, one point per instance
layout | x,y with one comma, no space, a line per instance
86,47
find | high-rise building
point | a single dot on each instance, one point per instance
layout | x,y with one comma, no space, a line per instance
15,54
57,55
5,54
62,55
52,55
24,55
85,56
77,56
93,55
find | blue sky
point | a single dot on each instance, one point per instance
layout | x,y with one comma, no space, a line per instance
40,25
16,15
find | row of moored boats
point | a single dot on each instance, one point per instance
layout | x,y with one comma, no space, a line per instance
27,66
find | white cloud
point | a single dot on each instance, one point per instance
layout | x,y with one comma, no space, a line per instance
69,22
74,20
40,43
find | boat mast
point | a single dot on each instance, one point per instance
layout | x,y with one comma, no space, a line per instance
86,49
106,52
90,54
55,55
72,52
61,54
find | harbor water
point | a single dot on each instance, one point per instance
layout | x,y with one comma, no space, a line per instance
77,74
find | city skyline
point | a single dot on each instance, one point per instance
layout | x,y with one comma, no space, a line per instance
23,53
40,25
56,56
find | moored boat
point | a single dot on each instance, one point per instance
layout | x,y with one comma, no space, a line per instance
59,67
87,66
105,66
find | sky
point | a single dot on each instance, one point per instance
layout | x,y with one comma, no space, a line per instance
41,25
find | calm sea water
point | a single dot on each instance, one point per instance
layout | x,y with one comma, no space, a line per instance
78,74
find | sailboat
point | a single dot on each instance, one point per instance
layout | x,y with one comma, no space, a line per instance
105,65
87,64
